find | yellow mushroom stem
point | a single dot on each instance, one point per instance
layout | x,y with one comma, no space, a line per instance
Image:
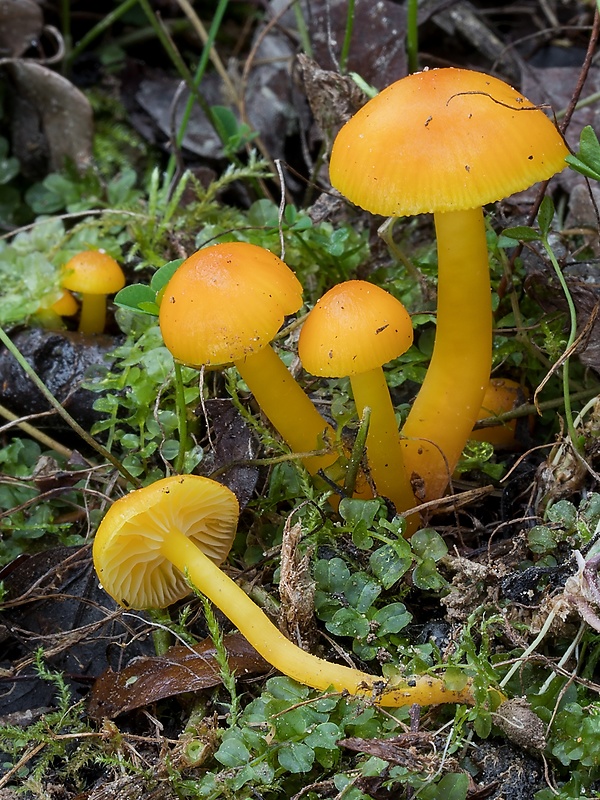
287,657
287,407
93,313
448,403
384,448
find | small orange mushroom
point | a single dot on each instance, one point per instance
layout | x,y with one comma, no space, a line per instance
65,305
52,308
93,274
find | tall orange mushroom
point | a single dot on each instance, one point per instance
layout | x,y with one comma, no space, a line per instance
447,141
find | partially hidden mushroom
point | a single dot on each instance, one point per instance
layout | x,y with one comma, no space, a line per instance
93,274
502,395
224,305
53,308
65,304
447,141
352,331
155,541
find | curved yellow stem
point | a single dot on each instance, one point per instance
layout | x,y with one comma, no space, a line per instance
287,407
286,656
384,449
93,313
447,405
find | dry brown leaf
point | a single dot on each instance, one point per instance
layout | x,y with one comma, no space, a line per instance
181,669
21,24
63,113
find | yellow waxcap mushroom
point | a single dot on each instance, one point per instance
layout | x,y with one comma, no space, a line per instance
94,275
447,141
353,330
224,304
355,327
151,540
128,545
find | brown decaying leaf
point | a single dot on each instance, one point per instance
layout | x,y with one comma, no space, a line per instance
64,114
377,51
21,23
230,442
333,98
181,669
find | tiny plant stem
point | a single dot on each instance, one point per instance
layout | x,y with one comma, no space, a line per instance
287,657
347,35
572,334
386,232
202,64
162,638
358,449
208,40
65,19
167,44
565,657
181,407
287,407
32,431
302,29
384,450
62,412
412,35
448,402
105,23
227,675
532,647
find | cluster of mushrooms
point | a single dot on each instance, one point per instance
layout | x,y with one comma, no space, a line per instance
445,141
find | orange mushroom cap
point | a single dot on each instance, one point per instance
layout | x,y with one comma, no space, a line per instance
92,272
355,327
225,302
443,140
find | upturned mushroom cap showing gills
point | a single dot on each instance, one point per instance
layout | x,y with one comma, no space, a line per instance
443,140
226,302
128,545
182,526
